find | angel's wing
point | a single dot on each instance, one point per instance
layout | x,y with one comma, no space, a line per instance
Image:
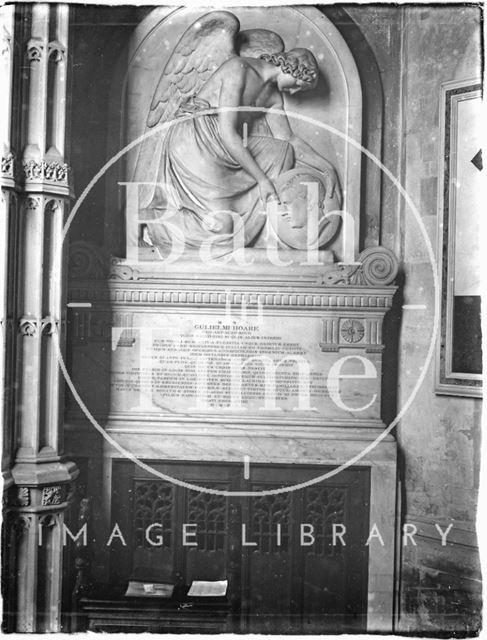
203,48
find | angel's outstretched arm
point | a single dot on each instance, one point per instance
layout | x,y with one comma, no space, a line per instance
231,96
304,152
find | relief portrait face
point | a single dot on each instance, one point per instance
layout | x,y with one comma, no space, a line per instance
295,203
296,220
300,220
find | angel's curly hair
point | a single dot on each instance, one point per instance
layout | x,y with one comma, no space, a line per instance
300,63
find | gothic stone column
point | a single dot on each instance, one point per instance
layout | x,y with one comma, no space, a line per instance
41,478
8,224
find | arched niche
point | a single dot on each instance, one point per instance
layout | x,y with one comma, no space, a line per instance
372,196
336,103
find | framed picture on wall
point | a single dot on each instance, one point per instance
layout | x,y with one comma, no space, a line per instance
459,358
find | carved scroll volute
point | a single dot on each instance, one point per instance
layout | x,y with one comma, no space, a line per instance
379,266
375,267
86,261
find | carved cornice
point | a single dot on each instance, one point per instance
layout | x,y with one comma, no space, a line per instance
341,297
375,267
363,284
54,172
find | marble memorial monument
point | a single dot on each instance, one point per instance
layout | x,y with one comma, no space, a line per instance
242,321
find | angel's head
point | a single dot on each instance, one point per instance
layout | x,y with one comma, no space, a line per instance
299,69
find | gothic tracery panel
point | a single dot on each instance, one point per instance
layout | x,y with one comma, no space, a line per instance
271,521
323,507
153,503
209,513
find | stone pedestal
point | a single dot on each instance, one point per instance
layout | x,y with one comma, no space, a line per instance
189,358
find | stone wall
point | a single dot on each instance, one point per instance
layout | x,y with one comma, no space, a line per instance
416,50
439,436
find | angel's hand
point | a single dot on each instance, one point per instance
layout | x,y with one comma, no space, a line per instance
332,184
267,190
142,241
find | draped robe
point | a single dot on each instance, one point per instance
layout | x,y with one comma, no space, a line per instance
198,182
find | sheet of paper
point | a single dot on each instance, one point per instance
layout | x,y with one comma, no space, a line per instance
213,588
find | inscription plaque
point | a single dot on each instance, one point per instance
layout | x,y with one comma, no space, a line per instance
259,366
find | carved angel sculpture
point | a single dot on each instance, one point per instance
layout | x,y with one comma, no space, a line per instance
214,170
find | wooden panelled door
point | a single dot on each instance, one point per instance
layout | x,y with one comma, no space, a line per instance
289,569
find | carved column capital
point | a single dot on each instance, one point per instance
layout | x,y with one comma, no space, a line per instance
22,523
8,165
20,497
52,495
57,52
43,203
32,327
53,205
53,173
5,42
49,326
39,498
35,49
32,203
29,327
